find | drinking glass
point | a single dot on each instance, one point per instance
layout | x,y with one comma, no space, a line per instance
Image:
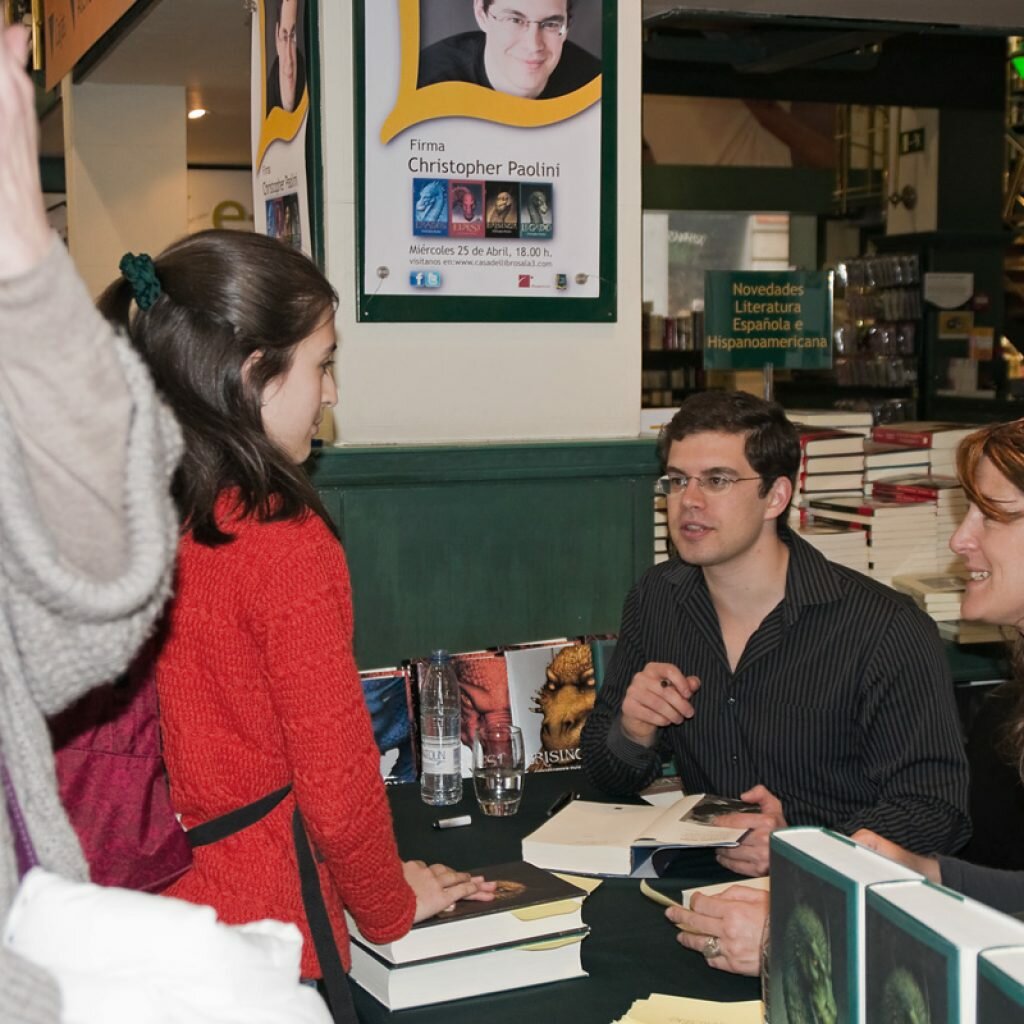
498,769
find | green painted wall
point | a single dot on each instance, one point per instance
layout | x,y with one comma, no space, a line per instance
475,545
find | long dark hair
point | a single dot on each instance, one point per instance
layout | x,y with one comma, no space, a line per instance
225,295
1003,445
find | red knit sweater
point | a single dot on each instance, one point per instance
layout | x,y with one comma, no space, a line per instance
258,687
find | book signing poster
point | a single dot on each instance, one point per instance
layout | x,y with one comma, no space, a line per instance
280,106
482,141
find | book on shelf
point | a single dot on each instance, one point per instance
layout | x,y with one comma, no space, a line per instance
813,464
818,885
623,839
425,982
922,433
922,950
529,904
830,442
1001,985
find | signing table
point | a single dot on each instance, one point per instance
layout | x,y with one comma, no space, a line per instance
631,950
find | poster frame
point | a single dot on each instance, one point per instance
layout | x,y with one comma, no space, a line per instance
426,308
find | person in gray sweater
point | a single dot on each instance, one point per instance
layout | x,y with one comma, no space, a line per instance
88,531
990,540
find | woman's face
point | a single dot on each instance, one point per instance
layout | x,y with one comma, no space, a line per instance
294,402
993,553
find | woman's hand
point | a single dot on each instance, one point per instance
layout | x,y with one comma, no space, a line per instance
25,236
927,866
437,887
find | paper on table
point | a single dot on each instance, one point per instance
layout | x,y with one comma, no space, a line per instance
583,881
708,890
660,1009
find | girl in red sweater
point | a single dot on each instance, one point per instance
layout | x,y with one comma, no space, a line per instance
260,702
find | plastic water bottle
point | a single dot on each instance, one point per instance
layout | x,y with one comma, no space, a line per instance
441,777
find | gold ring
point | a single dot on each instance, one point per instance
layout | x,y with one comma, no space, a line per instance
712,948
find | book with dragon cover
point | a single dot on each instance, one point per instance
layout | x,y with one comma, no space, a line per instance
816,961
921,959
536,210
551,692
466,209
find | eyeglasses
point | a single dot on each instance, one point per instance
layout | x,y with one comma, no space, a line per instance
517,25
715,483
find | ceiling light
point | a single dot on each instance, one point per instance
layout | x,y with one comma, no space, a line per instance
196,112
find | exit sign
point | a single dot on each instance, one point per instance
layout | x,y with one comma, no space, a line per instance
912,141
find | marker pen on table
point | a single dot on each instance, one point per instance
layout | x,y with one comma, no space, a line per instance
561,802
463,819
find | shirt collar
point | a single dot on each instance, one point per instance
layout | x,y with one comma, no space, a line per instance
810,577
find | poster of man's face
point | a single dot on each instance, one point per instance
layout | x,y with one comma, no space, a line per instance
527,48
286,77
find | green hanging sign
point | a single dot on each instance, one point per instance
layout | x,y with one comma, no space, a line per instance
754,318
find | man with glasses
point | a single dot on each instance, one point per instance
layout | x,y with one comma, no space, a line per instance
287,79
521,49
815,694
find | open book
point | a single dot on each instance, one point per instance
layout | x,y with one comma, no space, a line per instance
622,839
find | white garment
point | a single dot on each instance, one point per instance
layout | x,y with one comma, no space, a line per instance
125,957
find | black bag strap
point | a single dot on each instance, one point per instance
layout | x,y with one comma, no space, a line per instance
339,994
215,829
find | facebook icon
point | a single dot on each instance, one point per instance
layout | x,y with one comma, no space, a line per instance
425,278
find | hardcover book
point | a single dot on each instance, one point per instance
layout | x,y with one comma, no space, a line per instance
922,434
501,219
818,882
922,949
388,695
403,986
623,839
529,904
429,206
552,689
1001,985
830,442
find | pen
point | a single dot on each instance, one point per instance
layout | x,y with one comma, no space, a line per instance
562,801
463,819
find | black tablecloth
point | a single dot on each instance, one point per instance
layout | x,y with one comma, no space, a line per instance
631,950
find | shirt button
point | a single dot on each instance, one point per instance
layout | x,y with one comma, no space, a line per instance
735,758
731,700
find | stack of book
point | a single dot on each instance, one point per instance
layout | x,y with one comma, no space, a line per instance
831,462
940,440
838,544
950,507
857,937
901,535
938,596
973,632
882,461
529,935
833,419
662,544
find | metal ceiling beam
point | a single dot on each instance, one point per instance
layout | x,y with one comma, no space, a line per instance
812,51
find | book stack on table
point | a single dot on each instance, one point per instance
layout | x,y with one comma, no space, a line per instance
882,461
831,462
940,440
937,595
529,935
901,535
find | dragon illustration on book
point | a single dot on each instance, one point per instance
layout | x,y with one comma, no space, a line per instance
565,700
807,969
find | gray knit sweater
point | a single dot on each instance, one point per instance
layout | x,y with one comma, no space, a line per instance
87,540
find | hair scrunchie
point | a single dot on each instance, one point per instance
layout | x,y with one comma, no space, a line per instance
140,272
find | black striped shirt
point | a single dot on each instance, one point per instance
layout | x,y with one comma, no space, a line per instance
841,704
